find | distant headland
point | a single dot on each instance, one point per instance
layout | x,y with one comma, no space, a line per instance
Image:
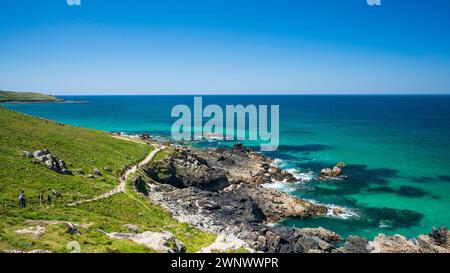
29,97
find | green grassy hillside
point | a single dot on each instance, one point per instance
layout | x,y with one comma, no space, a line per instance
81,149
6,96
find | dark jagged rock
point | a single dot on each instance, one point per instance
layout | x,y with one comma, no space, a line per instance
225,161
184,169
185,184
277,205
440,235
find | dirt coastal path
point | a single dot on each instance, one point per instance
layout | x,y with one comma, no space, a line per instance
122,180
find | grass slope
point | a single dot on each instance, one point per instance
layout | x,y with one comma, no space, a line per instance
7,96
85,149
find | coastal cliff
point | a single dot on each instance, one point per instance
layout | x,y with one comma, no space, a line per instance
177,198
223,191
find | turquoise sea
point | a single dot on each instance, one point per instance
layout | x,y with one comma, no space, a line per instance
396,148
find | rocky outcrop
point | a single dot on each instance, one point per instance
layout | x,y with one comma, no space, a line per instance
278,205
243,164
132,228
328,173
393,244
434,242
185,184
324,234
184,169
237,214
355,244
163,242
290,240
35,232
51,161
218,209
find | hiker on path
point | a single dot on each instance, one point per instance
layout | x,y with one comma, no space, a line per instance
41,199
49,200
22,200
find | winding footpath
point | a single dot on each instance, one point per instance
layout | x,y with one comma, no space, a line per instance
122,180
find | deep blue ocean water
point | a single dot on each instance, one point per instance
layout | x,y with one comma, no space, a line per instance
396,148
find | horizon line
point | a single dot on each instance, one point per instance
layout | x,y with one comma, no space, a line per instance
256,94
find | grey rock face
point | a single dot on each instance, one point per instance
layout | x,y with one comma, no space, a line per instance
355,244
132,228
52,162
40,153
184,169
163,242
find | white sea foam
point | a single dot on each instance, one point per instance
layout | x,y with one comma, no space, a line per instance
278,162
282,186
302,176
384,225
346,212
306,177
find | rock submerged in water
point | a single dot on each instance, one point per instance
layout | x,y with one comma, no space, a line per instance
328,173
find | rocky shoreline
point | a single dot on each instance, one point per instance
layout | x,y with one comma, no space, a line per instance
221,191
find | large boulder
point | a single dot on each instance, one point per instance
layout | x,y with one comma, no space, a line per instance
52,162
35,232
163,242
331,173
132,228
40,153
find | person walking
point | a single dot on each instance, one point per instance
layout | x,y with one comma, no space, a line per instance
22,200
49,200
41,198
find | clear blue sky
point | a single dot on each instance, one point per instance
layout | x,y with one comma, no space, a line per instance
225,46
